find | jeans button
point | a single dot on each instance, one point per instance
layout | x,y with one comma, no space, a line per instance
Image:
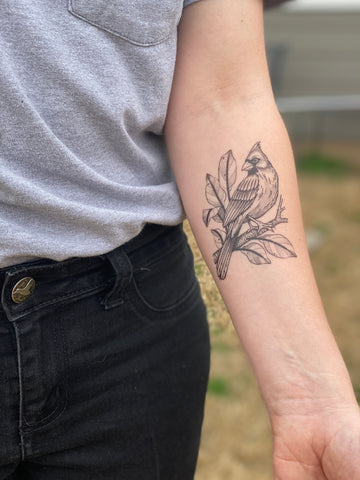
23,289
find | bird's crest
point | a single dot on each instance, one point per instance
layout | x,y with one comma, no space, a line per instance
257,146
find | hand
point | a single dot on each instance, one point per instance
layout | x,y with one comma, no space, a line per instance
321,446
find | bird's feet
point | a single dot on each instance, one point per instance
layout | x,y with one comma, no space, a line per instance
253,222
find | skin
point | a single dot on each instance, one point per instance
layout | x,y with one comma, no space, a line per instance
222,99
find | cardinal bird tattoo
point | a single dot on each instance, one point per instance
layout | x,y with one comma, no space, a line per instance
239,211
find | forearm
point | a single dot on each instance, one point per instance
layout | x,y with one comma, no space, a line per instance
275,306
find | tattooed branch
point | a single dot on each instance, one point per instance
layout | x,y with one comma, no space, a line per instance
239,211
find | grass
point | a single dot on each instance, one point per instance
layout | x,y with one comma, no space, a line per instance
218,386
220,347
354,216
323,227
317,163
357,392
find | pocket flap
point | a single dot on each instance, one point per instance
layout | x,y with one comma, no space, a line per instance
141,22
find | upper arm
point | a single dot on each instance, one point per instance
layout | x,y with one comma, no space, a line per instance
221,53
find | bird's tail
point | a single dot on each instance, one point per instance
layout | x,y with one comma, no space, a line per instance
223,260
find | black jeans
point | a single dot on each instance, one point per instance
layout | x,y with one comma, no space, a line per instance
104,364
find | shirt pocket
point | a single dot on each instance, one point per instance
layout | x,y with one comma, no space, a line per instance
140,22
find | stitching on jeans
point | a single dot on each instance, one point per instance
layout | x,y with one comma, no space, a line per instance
57,412
63,402
171,307
38,268
21,393
33,268
60,400
43,420
150,261
65,356
63,297
155,452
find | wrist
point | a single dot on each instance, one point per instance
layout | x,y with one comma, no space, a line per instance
310,394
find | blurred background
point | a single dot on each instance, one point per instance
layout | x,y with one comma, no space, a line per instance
313,49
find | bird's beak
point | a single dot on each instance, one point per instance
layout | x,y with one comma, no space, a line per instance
247,165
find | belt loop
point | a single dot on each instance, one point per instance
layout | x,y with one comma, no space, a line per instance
124,271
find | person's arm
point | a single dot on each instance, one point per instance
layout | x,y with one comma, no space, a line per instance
222,100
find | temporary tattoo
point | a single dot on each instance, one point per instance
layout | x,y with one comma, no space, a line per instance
238,211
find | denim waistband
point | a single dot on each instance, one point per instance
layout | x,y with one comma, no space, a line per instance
37,283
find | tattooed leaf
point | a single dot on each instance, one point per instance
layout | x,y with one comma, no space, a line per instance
218,237
227,172
215,195
278,245
218,219
255,252
216,255
208,214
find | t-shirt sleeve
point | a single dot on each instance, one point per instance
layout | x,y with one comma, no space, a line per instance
273,3
188,2
267,3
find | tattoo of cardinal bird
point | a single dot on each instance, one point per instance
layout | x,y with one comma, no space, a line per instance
255,195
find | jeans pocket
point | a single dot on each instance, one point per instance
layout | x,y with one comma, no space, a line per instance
167,282
140,22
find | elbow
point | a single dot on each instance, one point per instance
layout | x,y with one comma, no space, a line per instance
221,99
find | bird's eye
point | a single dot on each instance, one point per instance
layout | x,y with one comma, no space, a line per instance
254,160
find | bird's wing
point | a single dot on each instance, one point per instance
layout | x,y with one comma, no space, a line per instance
242,199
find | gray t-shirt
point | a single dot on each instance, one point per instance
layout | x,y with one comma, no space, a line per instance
84,88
